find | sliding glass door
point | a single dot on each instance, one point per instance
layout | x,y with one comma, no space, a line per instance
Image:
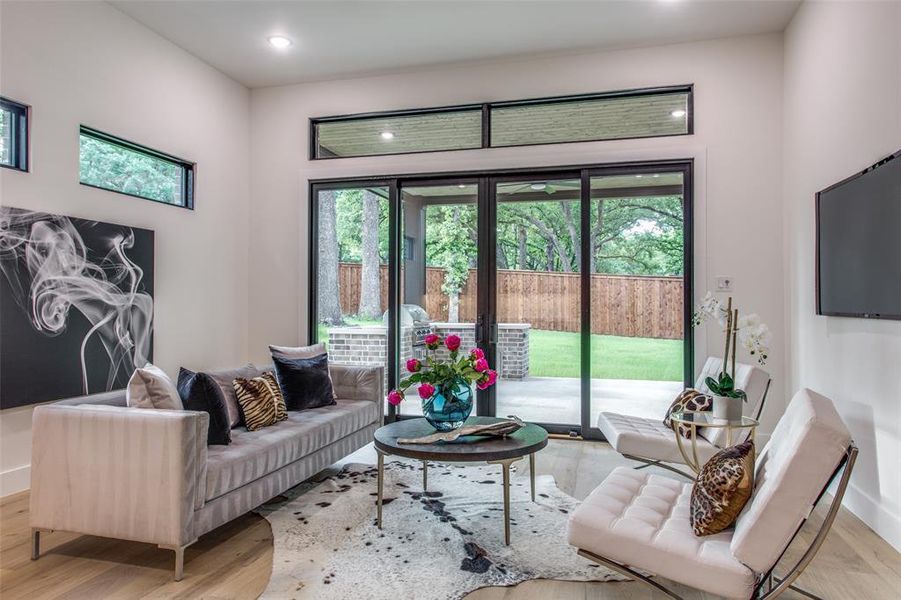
576,284
439,270
536,317
639,242
349,309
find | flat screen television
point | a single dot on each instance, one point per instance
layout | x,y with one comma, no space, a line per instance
858,244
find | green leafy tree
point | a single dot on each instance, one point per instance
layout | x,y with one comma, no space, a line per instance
110,166
451,244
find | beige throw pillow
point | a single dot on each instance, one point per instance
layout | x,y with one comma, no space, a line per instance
299,351
150,387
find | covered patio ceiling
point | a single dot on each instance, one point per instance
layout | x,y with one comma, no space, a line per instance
537,190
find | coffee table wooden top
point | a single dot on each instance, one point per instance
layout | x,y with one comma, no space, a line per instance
527,440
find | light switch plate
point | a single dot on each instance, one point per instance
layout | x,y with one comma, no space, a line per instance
724,284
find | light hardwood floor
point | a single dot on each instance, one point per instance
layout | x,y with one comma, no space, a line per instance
234,561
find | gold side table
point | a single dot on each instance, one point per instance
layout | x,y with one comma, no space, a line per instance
693,420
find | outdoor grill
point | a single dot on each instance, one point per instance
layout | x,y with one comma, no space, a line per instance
417,319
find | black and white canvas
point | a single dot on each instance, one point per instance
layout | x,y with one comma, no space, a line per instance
76,305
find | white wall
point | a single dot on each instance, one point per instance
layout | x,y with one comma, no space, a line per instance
88,63
842,114
737,147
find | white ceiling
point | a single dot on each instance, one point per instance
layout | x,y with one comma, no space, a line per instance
336,39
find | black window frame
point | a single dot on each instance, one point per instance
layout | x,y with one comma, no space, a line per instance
21,134
487,107
188,167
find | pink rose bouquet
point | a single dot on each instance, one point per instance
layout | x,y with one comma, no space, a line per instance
435,373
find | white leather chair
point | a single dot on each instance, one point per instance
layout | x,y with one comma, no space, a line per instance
651,442
636,521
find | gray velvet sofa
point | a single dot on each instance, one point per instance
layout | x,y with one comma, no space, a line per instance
101,468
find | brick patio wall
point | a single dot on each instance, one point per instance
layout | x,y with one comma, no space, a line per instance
364,346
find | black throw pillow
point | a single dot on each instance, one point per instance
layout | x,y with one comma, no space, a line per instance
199,392
305,382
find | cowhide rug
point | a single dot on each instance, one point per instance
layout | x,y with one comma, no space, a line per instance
439,545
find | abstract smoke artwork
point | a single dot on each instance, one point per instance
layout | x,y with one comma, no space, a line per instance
76,305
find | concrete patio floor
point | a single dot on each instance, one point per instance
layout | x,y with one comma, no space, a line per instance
557,399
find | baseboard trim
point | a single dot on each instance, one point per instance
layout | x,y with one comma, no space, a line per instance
15,480
885,524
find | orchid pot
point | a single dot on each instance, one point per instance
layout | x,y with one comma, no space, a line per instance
728,408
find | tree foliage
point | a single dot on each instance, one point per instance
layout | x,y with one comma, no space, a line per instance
628,236
113,167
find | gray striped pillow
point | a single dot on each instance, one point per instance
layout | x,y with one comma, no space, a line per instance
261,400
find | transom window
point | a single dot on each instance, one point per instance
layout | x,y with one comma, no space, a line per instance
117,165
654,112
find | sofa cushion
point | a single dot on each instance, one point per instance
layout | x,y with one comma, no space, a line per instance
261,401
225,379
804,450
305,382
642,520
253,454
648,438
150,387
198,391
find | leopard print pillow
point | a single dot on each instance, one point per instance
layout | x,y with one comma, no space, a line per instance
689,399
722,489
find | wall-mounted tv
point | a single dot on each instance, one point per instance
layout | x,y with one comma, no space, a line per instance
859,244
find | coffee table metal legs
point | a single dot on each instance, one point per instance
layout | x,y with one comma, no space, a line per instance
381,486
505,472
532,474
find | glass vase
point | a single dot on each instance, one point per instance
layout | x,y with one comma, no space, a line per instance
449,407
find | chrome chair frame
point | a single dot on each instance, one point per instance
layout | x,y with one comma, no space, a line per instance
769,585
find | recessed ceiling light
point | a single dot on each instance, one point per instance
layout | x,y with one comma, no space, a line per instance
656,175
279,41
639,176
538,186
678,113
387,135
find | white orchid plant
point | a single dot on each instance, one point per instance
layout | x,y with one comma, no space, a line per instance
749,330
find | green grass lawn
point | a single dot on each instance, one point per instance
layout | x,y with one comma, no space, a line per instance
556,354
322,329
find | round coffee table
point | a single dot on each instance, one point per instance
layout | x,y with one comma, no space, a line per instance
502,451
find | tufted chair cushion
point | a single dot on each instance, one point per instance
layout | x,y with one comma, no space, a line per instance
648,438
642,520
807,445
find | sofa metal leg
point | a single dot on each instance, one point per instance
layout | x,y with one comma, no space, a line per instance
35,544
179,559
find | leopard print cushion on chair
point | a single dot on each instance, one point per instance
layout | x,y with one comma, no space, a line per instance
722,489
691,400
261,401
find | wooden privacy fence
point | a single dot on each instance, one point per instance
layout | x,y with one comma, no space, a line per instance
631,306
